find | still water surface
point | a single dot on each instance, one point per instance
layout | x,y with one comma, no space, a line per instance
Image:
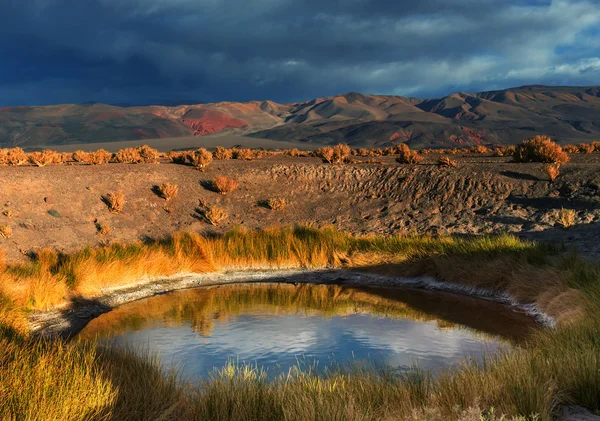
275,326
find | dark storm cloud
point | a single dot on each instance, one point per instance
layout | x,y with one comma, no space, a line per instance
210,50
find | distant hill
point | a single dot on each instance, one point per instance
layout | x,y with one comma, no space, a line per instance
568,114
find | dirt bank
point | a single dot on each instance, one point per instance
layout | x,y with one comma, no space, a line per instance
74,316
60,207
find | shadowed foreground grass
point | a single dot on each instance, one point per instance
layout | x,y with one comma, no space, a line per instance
77,381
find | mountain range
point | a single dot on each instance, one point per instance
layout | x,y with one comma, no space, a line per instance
567,114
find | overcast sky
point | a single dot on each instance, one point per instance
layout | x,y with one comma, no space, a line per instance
169,51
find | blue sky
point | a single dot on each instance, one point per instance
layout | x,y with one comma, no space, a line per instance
169,51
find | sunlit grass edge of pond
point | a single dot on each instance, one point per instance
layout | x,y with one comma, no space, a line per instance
53,380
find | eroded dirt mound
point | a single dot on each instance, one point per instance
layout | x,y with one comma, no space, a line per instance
61,206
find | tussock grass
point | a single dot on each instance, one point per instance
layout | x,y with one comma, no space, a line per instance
115,201
168,191
51,380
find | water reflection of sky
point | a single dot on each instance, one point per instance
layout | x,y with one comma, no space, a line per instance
277,341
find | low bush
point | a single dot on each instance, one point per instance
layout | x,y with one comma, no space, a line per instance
223,185
540,149
200,158
566,217
334,155
446,162
168,191
276,203
41,159
5,231
406,156
222,153
15,156
552,171
128,156
243,154
114,201
211,213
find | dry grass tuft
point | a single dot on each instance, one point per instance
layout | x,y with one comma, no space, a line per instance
5,231
147,154
222,153
41,159
211,213
102,228
446,162
223,185
15,156
114,201
552,171
540,149
276,203
128,156
200,158
406,156
334,155
168,191
243,154
98,157
566,217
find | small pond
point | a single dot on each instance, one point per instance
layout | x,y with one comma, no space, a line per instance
278,326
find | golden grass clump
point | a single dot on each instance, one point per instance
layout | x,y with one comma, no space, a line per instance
15,156
585,148
243,154
177,157
5,231
98,157
200,158
168,191
540,149
446,162
102,228
222,153
407,156
41,159
552,171
276,203
147,154
334,155
211,213
566,217
114,201
223,185
128,156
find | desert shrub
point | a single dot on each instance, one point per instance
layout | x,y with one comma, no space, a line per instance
362,152
41,159
5,231
79,156
585,148
102,228
211,213
200,158
406,156
128,156
326,154
446,162
177,157
244,154
98,157
552,171
479,149
334,155
596,146
540,149
3,156
168,191
295,152
147,154
61,158
566,217
222,153
223,185
8,213
114,201
16,156
570,149
276,203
